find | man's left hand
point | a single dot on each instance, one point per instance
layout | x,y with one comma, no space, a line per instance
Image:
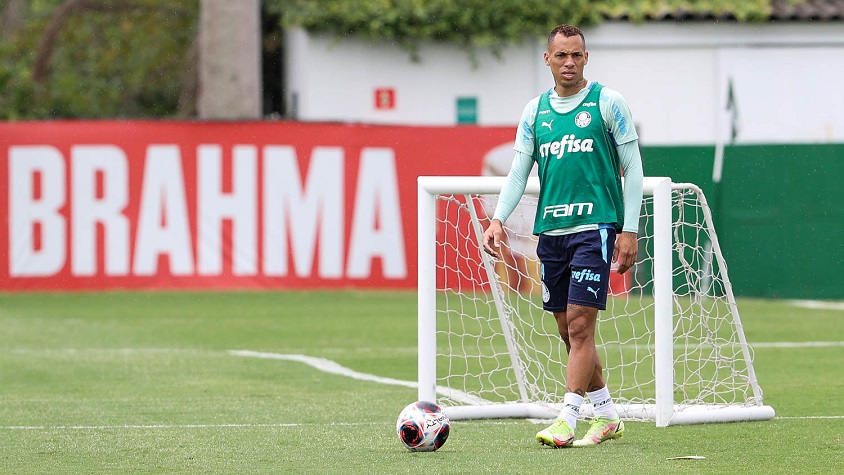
626,249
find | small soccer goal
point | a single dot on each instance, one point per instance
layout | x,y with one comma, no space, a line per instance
671,339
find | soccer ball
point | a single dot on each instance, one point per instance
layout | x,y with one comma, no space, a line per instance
422,426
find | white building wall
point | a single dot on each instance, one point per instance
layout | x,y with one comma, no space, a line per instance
336,81
787,80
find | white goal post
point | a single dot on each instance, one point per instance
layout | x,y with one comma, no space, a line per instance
671,339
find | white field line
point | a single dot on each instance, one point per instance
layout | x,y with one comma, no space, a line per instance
754,345
183,426
326,366
807,417
291,425
332,367
305,359
817,304
282,425
797,344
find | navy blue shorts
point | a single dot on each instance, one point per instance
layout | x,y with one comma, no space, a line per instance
575,269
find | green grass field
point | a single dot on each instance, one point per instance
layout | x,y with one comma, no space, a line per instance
145,382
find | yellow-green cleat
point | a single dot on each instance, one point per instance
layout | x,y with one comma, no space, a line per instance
601,429
558,434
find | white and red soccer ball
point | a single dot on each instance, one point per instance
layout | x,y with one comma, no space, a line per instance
422,427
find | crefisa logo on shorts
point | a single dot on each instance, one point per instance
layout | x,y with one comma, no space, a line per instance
585,274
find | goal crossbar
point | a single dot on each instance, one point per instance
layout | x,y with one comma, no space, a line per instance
667,312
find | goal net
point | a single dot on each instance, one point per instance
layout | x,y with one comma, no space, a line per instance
671,340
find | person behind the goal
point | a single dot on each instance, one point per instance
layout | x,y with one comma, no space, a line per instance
581,135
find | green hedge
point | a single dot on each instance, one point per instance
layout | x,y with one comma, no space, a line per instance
487,23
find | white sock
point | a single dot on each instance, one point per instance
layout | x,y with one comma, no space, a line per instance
571,408
602,403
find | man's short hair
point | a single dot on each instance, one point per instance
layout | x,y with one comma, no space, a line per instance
567,31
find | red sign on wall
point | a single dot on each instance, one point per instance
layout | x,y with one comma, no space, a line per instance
106,205
385,98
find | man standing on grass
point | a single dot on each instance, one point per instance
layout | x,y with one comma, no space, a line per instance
580,134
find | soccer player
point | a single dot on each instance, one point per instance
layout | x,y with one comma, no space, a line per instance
581,135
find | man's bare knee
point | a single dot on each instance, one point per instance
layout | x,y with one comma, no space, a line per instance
581,323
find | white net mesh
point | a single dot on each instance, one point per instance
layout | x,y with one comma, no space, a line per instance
495,344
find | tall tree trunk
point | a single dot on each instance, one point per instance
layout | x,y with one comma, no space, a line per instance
229,60
41,69
190,81
11,18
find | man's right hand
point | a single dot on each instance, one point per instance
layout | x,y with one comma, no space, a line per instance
492,238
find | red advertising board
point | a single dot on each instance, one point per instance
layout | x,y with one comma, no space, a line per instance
189,205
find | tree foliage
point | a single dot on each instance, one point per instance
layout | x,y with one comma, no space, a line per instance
96,58
489,23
